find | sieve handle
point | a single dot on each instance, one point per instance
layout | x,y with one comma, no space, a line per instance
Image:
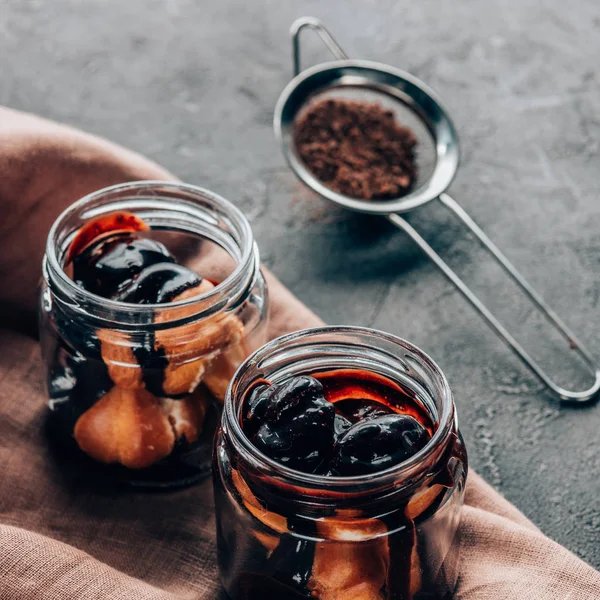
574,343
298,25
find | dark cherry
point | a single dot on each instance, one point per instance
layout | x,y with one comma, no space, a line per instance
74,385
341,424
375,444
255,407
297,428
159,283
291,396
61,383
108,265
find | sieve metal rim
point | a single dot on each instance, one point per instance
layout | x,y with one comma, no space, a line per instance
383,79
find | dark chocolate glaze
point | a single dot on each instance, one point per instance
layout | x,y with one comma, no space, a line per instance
109,264
339,423
158,284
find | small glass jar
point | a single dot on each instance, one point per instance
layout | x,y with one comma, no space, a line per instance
135,390
392,534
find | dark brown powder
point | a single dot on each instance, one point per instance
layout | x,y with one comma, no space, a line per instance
357,149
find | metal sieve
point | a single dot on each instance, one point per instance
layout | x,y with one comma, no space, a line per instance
422,111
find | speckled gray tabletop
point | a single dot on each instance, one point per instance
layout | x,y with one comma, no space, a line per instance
193,84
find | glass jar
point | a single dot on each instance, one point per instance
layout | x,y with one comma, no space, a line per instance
391,534
135,390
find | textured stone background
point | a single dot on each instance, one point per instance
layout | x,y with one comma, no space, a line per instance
193,85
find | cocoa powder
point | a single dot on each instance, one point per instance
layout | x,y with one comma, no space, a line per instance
357,149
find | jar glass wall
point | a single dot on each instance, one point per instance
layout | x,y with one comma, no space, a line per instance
390,534
135,390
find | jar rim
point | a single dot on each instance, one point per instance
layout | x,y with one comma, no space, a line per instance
232,287
405,470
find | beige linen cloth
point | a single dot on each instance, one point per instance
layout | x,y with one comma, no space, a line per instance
60,539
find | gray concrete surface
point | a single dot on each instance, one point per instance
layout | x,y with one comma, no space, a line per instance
193,85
